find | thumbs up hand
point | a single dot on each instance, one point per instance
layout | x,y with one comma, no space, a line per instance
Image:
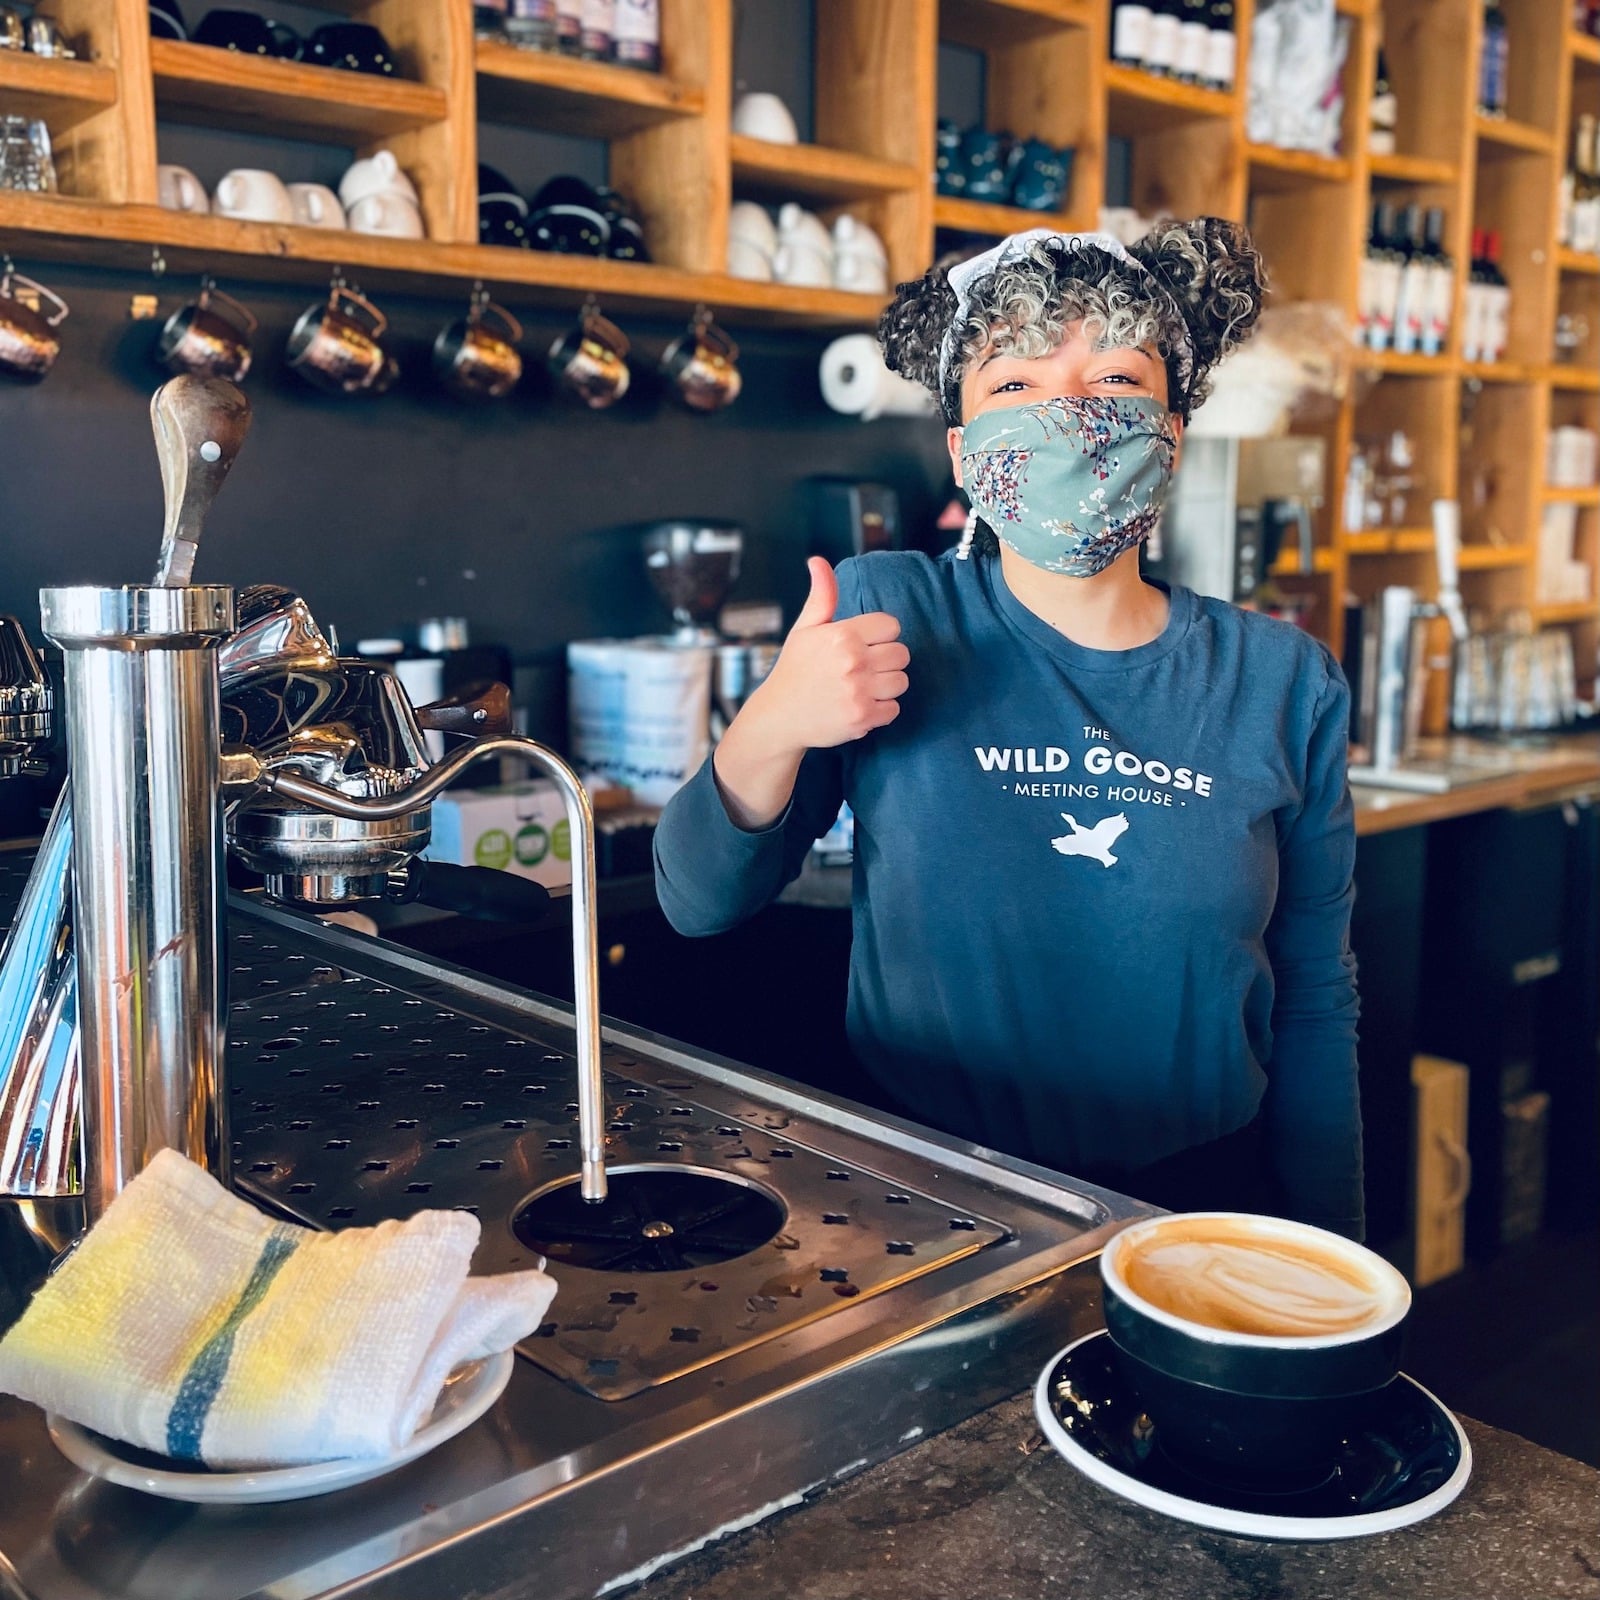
834,682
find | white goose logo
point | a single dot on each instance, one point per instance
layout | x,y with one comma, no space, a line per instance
1095,842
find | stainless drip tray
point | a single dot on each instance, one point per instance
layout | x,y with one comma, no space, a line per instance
355,1100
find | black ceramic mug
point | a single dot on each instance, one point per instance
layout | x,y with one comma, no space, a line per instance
352,46
1254,1344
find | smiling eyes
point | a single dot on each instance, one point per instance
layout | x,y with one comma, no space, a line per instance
1120,379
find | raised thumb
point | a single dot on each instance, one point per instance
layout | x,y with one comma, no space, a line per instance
823,600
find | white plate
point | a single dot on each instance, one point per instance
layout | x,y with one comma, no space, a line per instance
1228,1519
468,1393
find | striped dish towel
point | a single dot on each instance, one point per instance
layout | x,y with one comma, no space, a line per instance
188,1323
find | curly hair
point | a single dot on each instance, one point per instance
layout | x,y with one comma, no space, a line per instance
1210,267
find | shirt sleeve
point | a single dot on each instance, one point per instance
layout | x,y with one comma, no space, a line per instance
1313,1104
712,874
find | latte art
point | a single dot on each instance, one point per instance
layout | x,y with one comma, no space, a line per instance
1254,1285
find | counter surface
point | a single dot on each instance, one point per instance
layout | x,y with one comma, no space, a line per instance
980,1513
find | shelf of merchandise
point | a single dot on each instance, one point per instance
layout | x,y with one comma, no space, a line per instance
671,149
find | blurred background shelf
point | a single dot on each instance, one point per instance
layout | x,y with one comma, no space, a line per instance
63,93
985,217
588,99
814,171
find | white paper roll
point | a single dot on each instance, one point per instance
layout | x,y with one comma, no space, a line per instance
856,383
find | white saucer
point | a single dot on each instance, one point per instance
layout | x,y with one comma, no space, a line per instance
468,1393
1097,1377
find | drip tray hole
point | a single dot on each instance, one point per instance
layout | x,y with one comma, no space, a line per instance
655,1218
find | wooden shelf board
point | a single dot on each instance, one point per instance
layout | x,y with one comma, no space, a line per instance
1390,542
1500,372
1323,560
62,93
1560,611
815,171
1272,169
589,99
1397,365
1501,136
60,228
1587,496
1583,379
1578,261
985,217
1493,557
253,94
984,24
1139,103
1585,47
1412,169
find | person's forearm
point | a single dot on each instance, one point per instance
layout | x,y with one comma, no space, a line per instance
755,769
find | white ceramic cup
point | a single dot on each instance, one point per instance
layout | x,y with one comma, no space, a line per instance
316,206
376,174
796,225
745,260
799,264
764,116
391,214
752,224
852,235
254,195
865,274
178,189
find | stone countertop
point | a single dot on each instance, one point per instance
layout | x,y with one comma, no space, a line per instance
988,1511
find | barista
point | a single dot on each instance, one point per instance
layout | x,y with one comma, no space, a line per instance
1104,839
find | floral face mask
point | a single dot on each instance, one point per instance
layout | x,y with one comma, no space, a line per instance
1072,483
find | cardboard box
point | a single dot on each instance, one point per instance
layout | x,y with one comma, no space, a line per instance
517,827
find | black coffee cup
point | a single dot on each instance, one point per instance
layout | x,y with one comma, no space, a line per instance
1254,1344
242,31
566,216
502,212
351,46
625,240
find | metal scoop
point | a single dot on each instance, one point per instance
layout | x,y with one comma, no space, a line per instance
200,425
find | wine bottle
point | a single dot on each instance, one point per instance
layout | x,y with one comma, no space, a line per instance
1387,264
1367,284
1414,284
1194,38
1222,47
1382,111
1441,292
1493,61
1496,302
1472,303
1130,33
1161,45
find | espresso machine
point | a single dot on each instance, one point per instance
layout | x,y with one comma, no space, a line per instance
200,723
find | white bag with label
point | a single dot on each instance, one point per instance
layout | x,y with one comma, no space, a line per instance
640,713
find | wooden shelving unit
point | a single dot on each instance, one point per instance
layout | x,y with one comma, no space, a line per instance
670,148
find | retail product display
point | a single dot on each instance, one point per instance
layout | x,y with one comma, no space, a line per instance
1296,94
1191,41
627,32
977,164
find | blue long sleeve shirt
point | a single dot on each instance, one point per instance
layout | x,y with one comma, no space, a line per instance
1101,898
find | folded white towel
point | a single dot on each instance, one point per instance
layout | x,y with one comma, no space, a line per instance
190,1324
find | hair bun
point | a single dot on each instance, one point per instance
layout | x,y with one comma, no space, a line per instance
1216,273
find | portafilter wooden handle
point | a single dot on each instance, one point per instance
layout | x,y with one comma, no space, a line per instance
200,425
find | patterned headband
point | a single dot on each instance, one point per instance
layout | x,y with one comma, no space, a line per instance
966,274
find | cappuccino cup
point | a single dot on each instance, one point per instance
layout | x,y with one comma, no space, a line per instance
1254,1344
316,206
177,189
392,214
253,195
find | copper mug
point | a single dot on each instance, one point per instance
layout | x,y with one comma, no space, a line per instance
28,341
591,361
700,365
336,345
210,337
476,355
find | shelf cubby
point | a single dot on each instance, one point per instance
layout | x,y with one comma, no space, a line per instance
764,170
588,99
